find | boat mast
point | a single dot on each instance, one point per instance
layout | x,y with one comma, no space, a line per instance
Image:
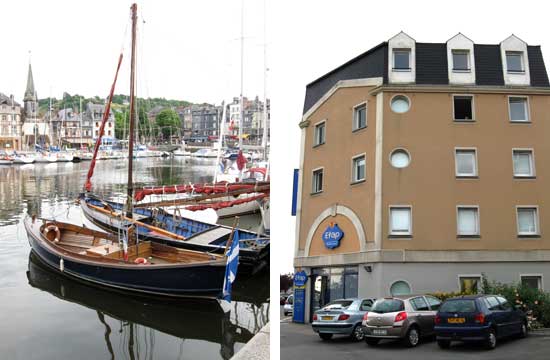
264,135
241,120
130,192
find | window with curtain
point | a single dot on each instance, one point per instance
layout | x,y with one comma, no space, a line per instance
400,220
468,221
523,163
470,284
527,221
465,162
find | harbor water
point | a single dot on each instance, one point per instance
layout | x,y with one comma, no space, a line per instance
45,315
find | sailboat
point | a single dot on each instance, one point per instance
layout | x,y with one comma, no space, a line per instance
127,261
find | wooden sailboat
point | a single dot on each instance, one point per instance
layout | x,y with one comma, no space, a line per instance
106,259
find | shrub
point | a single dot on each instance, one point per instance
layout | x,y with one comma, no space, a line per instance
446,295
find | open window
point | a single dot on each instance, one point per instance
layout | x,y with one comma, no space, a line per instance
463,108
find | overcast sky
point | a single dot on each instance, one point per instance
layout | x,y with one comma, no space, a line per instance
310,38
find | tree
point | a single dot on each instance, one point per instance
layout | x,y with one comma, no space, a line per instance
168,122
287,280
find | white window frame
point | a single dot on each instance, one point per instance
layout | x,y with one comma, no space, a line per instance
537,221
473,119
391,283
355,122
522,58
533,168
394,50
322,169
400,233
478,233
353,179
400,95
461,51
479,276
476,171
541,276
527,112
315,126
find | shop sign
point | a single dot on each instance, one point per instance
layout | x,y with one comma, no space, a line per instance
332,236
300,279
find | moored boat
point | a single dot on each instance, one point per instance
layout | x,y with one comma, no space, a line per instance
145,267
45,158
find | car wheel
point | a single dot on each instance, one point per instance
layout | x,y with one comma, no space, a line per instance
444,344
413,337
524,330
325,336
491,341
372,341
358,334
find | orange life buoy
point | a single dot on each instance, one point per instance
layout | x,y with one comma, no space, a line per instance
53,228
140,260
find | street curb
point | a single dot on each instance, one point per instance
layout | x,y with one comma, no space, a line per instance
257,348
540,332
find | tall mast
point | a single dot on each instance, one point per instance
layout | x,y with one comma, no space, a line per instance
132,114
264,135
241,121
80,114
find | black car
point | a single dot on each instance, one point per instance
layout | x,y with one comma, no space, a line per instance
478,318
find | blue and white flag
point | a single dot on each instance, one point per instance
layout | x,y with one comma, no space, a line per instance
231,267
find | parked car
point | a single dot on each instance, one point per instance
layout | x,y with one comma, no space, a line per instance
478,318
283,299
287,309
405,317
341,317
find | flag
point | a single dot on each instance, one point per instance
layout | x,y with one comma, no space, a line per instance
241,160
231,267
222,167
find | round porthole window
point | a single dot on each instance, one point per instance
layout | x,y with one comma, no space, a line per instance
400,104
400,158
400,288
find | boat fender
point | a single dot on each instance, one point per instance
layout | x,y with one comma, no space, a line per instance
61,265
140,260
57,232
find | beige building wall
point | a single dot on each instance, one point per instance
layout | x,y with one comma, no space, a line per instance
335,156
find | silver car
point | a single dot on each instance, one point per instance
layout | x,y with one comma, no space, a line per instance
342,317
288,306
406,317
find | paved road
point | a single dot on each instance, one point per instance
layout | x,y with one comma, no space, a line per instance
300,342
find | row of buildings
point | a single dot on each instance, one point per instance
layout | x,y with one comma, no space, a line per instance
423,168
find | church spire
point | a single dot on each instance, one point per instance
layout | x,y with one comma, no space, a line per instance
30,93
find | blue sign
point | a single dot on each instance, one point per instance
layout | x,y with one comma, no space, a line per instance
295,192
300,278
332,236
299,306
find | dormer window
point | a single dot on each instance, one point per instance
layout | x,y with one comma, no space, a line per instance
514,62
461,60
402,59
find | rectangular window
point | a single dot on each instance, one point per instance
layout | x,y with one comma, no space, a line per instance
461,60
317,185
463,108
360,117
358,168
518,109
401,59
524,165
528,222
514,61
470,284
465,162
531,281
467,221
319,134
400,220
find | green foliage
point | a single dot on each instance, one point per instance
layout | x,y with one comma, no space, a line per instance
168,122
441,295
534,302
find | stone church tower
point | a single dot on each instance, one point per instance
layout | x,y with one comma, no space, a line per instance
30,100
35,130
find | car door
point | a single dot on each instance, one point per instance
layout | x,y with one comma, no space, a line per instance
498,317
435,304
511,317
423,314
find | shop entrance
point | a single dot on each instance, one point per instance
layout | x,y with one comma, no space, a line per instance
329,284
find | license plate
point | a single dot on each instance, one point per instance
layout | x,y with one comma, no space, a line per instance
326,317
456,320
379,332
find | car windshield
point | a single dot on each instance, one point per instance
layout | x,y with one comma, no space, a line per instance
388,306
338,304
458,305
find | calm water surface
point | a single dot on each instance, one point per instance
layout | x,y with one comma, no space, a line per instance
46,316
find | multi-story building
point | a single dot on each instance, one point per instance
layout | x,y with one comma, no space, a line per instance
67,129
92,118
253,115
10,123
205,120
425,166
186,117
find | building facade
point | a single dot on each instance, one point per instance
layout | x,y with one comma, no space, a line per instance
92,118
10,123
423,168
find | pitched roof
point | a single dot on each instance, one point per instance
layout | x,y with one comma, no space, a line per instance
30,92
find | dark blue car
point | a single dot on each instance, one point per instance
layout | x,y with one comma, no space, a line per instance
478,318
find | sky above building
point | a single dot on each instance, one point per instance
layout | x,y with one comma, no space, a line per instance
188,50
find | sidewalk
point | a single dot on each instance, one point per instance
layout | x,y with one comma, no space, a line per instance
257,348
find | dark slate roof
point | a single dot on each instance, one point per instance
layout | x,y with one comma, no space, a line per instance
372,63
431,68
431,64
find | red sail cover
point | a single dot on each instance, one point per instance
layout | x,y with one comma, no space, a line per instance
224,204
192,188
88,184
